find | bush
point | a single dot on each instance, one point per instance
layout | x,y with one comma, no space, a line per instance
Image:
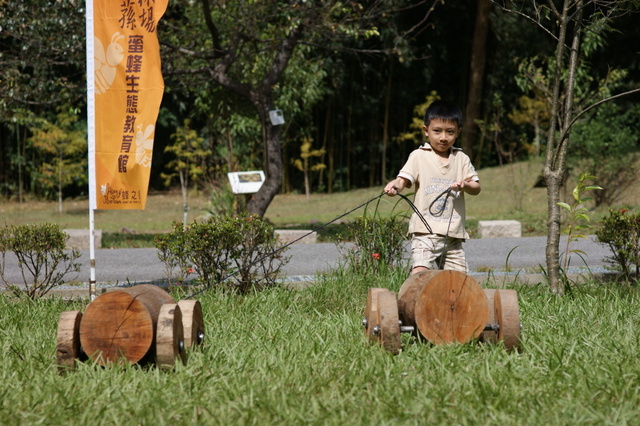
621,232
40,250
173,253
379,244
241,251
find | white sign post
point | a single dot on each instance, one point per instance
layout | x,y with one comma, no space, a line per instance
246,182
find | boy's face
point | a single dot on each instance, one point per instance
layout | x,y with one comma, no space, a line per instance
441,134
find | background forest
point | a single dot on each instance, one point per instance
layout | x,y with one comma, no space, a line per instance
352,91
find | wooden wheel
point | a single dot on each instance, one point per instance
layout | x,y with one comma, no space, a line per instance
169,336
192,323
450,308
388,322
508,317
490,336
409,293
120,325
68,348
371,311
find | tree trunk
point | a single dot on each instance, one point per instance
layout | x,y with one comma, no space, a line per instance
331,164
558,142
184,186
385,126
477,66
552,249
328,140
60,185
349,143
273,160
307,189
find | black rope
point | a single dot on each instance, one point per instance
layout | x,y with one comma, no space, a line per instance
443,205
445,193
420,215
273,253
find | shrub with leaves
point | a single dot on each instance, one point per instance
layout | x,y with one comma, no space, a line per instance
41,255
172,252
621,232
224,202
379,243
240,251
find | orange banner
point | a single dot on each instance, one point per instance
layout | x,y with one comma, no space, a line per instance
128,92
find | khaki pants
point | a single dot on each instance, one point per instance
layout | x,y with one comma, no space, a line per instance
438,252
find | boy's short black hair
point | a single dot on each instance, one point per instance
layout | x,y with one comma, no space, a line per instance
444,110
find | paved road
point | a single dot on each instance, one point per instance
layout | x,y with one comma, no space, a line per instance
115,266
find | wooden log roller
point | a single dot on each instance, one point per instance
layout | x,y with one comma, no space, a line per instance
443,307
140,323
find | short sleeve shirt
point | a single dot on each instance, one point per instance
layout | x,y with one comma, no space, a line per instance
430,177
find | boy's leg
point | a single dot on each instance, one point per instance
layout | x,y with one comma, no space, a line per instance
455,257
417,269
425,250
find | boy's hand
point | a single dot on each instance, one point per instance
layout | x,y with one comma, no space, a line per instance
458,186
391,189
472,187
396,186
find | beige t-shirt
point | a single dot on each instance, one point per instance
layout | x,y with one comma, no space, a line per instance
430,177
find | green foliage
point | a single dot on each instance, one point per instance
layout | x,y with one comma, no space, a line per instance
620,231
535,74
607,144
43,56
578,215
378,243
223,202
190,156
40,251
240,251
533,112
189,163
174,253
304,162
62,149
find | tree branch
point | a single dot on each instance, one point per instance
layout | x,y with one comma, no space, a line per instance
213,30
285,51
525,16
600,102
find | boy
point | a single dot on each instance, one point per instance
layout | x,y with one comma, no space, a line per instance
433,168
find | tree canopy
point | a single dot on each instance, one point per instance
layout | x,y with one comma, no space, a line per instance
346,75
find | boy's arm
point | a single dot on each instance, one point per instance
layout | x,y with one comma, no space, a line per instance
395,186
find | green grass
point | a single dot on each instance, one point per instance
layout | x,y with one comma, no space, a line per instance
300,357
507,193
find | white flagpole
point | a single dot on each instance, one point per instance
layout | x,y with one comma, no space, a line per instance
91,133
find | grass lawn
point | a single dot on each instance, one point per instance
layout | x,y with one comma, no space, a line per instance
291,357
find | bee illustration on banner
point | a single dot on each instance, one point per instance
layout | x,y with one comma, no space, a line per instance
106,61
144,145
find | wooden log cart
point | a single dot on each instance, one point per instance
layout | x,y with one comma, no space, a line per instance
138,324
442,307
